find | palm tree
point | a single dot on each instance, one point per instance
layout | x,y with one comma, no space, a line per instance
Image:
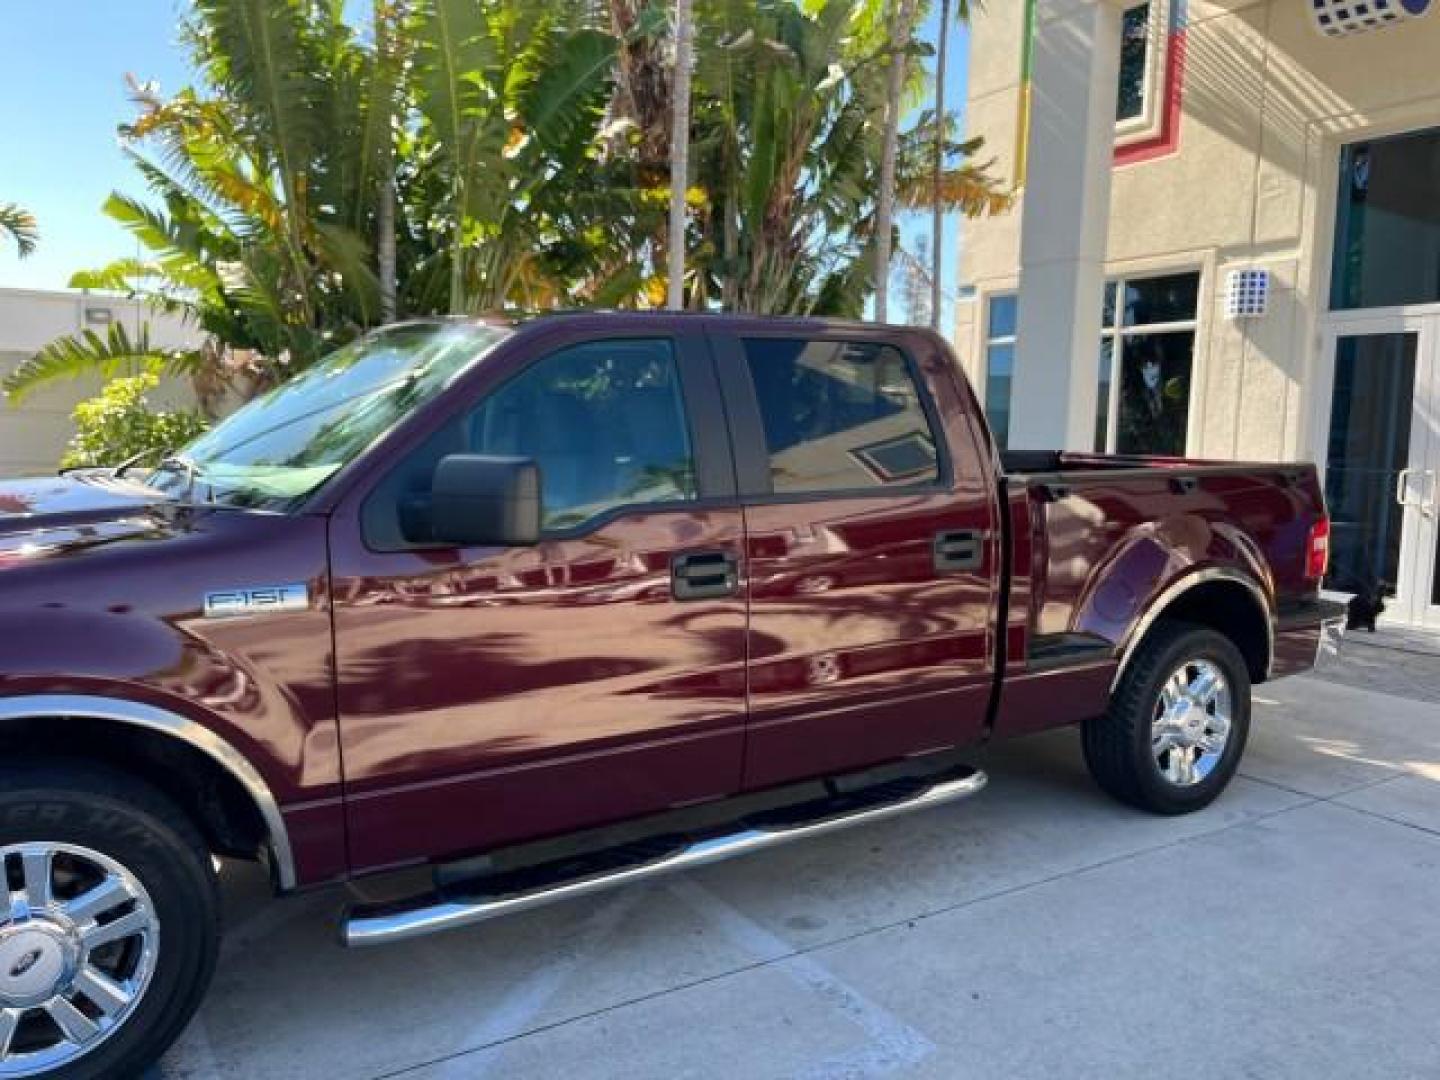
273,182
787,139
19,225
384,109
785,118
902,23
680,152
937,219
484,154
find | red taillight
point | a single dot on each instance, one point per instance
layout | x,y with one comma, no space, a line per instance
1317,550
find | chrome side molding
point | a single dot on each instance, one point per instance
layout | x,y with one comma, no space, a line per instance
384,924
187,731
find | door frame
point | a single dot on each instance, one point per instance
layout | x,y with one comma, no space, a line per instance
1419,536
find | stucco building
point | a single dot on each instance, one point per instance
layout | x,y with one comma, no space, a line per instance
1227,244
33,436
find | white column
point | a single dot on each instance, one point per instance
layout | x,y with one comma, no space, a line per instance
1066,220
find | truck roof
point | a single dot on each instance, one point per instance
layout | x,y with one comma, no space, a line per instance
673,319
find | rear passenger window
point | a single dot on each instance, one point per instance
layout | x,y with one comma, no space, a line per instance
840,416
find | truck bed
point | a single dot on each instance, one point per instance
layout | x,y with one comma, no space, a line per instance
1095,540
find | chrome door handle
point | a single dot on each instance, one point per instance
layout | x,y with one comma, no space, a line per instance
1402,485
959,549
704,575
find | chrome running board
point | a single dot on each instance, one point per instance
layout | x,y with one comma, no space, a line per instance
380,924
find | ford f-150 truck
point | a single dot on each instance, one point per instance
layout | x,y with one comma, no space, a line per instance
541,607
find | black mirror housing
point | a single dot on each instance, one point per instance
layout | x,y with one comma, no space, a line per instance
479,501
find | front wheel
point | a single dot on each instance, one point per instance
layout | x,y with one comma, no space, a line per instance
112,927
1177,723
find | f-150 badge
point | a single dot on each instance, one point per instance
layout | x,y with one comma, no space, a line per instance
262,600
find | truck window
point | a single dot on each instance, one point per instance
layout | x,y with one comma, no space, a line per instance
604,420
840,416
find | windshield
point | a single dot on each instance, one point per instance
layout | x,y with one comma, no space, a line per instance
286,443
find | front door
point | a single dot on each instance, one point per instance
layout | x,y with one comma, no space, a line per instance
1382,461
489,696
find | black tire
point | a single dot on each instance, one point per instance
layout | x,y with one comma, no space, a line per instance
1117,745
135,826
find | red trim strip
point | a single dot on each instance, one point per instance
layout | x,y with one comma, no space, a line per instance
1168,141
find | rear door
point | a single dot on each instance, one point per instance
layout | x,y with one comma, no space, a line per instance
493,695
872,552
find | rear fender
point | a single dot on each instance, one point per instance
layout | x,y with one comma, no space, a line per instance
1156,566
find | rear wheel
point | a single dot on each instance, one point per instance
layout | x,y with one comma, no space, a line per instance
109,937
1177,723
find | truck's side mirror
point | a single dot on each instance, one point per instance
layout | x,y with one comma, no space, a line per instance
485,501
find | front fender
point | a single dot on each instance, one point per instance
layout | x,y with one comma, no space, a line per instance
123,626
171,725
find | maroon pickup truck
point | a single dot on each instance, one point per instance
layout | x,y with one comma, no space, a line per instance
544,607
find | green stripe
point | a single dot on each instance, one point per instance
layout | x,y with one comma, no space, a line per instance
1027,42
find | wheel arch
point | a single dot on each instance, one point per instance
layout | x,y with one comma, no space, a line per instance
1225,600
160,738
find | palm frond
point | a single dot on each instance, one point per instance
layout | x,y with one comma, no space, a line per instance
569,93
970,189
88,353
349,255
19,224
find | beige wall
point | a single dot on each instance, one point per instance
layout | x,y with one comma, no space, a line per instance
33,435
1268,101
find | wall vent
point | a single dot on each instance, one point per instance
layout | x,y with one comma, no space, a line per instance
1247,294
1341,18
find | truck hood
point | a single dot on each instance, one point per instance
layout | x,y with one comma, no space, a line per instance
58,513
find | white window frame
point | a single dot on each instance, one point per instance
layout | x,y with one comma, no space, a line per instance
1151,121
1116,332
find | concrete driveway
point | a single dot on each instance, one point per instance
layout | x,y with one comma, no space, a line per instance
1293,929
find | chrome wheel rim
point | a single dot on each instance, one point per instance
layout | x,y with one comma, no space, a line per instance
79,940
1192,722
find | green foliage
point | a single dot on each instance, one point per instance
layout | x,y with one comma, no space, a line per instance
19,224
496,155
119,424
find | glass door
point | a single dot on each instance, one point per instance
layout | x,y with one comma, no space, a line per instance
1381,472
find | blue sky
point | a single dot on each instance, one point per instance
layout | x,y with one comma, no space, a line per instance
62,93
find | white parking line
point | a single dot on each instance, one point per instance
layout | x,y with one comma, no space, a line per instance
892,1044
514,1012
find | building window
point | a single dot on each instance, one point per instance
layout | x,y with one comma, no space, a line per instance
1152,46
1147,356
1387,231
1000,364
1135,49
